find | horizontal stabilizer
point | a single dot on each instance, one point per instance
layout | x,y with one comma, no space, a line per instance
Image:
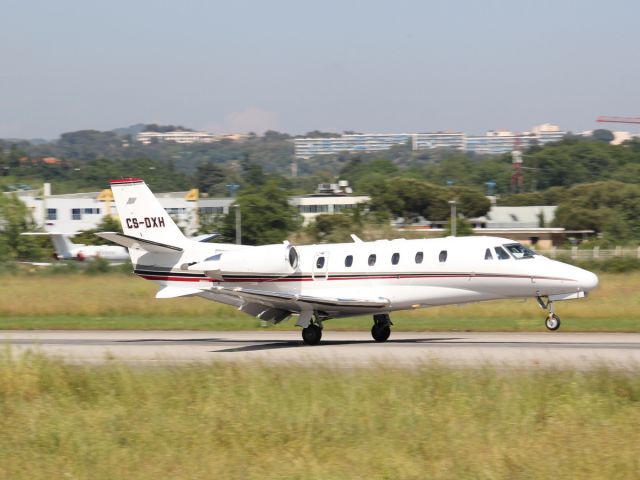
174,292
139,243
205,238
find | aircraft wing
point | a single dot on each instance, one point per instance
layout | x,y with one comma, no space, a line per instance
294,301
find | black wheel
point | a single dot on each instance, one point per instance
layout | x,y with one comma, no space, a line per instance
380,333
312,334
552,322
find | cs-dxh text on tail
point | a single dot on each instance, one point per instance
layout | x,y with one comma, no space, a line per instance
316,283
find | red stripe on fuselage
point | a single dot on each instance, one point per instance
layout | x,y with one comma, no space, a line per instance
171,278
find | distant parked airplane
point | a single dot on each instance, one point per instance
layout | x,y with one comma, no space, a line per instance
65,249
321,282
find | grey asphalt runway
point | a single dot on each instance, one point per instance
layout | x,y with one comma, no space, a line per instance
338,349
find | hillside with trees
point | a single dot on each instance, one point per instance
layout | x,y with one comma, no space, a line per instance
593,182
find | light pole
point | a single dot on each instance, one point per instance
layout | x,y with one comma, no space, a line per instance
233,187
238,224
453,217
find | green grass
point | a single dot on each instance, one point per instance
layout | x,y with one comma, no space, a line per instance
255,422
121,301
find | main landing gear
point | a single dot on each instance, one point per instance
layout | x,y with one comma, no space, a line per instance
312,328
312,334
552,322
381,327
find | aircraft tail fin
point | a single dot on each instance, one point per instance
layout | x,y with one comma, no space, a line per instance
141,215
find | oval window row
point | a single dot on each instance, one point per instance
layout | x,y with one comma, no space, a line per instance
395,259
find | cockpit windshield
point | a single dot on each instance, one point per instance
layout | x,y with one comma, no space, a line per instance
519,251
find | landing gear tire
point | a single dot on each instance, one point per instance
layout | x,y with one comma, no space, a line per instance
552,322
380,333
312,334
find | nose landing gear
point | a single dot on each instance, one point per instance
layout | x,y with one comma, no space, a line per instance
552,322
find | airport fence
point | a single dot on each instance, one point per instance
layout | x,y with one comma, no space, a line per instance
595,253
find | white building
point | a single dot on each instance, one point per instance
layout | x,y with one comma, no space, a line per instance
176,137
368,142
74,212
493,142
537,216
329,198
422,141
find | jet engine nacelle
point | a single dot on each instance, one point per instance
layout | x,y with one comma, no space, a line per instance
276,260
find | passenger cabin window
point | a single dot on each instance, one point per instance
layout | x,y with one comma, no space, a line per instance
419,257
372,259
443,256
501,253
348,261
487,254
320,262
519,251
395,258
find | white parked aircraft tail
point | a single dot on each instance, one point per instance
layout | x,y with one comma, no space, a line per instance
141,215
64,247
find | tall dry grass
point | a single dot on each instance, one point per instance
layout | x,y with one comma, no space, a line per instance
236,421
117,300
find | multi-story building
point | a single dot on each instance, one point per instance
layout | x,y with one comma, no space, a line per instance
453,140
548,133
176,137
496,142
370,142
493,142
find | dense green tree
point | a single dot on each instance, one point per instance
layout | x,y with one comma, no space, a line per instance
463,228
89,237
210,178
16,219
611,208
410,198
267,216
335,228
154,127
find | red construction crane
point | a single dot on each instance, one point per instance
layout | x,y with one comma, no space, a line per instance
606,119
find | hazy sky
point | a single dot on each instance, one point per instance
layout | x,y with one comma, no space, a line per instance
295,66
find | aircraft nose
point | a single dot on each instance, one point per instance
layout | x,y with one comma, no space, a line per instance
587,280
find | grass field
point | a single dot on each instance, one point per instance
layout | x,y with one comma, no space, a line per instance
121,301
229,421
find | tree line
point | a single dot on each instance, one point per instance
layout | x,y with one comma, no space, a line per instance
594,183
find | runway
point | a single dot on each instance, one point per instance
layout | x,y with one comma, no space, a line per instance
338,349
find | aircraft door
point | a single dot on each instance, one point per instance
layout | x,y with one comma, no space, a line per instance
320,269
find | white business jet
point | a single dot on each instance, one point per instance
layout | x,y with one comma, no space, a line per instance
321,282
65,249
